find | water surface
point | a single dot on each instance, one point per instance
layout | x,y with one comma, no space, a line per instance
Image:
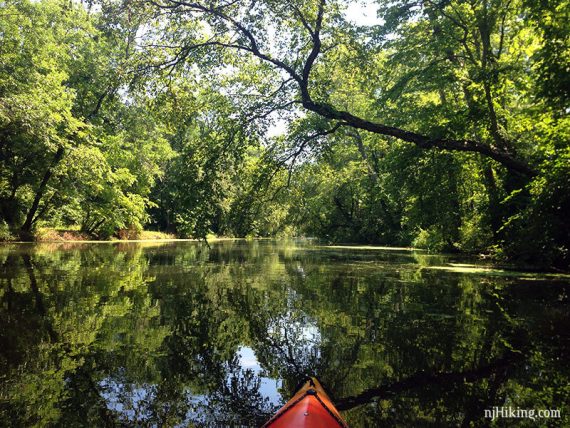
177,334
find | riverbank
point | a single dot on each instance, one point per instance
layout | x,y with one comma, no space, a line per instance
462,262
47,234
54,236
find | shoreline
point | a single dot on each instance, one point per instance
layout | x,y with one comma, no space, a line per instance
117,241
487,263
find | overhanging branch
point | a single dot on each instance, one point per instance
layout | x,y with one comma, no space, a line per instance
327,111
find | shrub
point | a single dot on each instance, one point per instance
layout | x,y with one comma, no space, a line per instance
431,239
5,233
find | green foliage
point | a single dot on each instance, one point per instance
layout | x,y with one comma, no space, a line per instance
540,234
36,118
67,157
553,57
5,232
119,117
432,239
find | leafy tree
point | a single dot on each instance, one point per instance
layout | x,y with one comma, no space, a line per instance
438,127
306,32
38,126
69,140
462,77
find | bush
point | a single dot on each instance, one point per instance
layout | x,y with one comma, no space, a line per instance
431,239
5,233
131,232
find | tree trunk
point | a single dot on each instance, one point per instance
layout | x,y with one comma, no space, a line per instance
373,172
495,215
31,216
393,221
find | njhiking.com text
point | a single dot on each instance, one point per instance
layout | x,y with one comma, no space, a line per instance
518,413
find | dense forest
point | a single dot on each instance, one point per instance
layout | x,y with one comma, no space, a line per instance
442,125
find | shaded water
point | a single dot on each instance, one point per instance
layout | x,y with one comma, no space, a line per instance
176,334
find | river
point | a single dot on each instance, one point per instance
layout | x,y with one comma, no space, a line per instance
179,334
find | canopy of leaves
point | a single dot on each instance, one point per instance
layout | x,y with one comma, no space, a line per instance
442,125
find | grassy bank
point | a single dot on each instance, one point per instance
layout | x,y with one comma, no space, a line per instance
48,234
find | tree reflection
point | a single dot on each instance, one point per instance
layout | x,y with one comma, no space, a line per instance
151,336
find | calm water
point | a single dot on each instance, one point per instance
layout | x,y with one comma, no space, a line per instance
176,334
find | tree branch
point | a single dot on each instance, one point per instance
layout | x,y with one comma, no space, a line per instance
303,20
420,140
253,45
327,111
316,36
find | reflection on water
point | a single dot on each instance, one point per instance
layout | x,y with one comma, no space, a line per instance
182,335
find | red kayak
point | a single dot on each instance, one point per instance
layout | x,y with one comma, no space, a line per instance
310,407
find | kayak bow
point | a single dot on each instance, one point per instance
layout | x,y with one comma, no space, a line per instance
310,407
